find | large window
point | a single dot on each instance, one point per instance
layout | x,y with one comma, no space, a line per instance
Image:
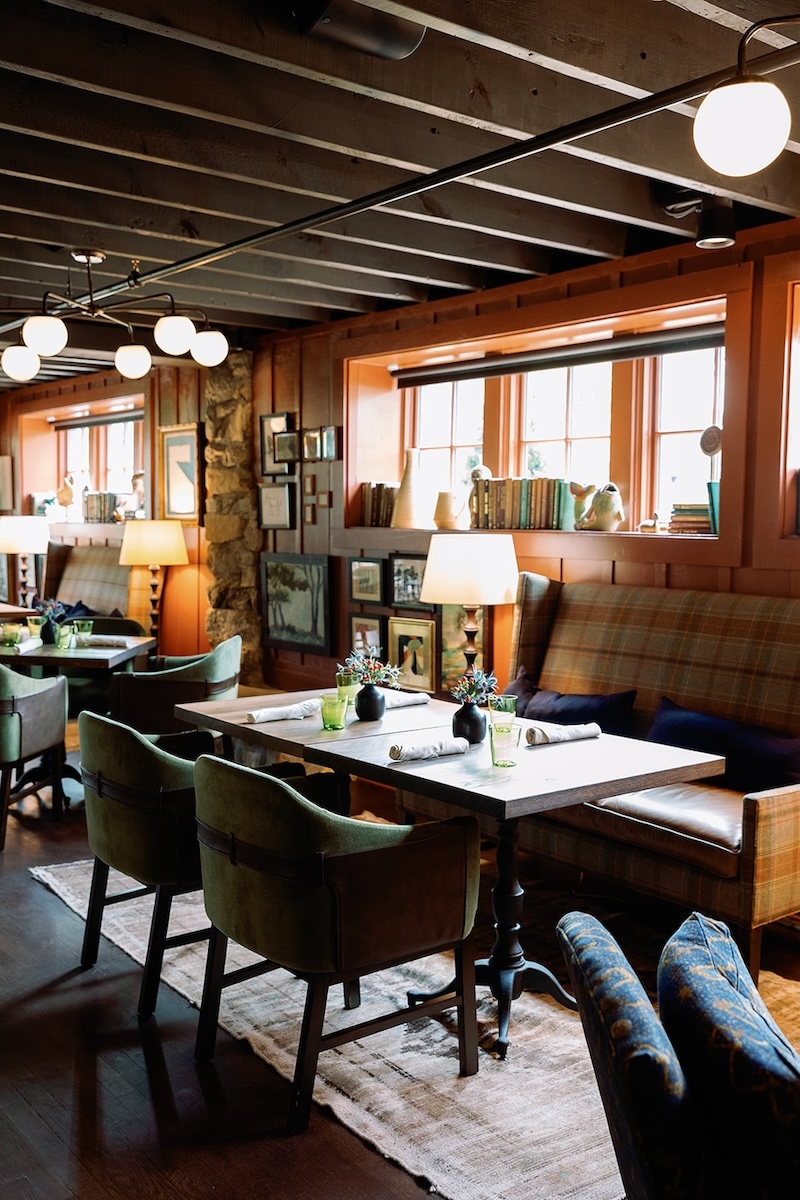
687,397
449,431
566,423
101,458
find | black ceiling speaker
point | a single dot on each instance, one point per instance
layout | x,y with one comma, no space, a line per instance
359,27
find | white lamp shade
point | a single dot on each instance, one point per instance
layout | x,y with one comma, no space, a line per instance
174,333
153,543
45,334
132,361
742,126
20,363
209,348
470,568
24,535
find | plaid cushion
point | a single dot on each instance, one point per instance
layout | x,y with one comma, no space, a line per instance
731,655
92,575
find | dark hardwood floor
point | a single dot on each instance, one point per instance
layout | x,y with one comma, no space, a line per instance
95,1105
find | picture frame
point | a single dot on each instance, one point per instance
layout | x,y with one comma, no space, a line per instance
412,647
367,632
312,449
296,602
406,572
270,424
366,580
328,442
180,474
453,641
286,446
276,505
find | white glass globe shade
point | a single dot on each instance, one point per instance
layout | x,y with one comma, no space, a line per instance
20,363
210,348
44,334
742,126
174,334
132,361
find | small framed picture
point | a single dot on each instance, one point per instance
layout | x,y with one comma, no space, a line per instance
286,446
366,580
309,485
311,445
296,602
328,442
367,633
276,505
407,572
412,647
271,424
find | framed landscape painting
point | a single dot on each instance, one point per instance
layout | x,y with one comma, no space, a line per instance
366,581
295,591
406,573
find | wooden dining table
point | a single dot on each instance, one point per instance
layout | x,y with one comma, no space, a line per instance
546,777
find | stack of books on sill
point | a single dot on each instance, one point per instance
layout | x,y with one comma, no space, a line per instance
377,503
99,506
690,518
522,503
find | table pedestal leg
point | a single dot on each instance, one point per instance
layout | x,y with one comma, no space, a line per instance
507,971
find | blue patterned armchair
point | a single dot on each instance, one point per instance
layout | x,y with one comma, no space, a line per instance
702,1100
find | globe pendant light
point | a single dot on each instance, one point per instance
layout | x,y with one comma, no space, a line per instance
45,334
742,125
174,334
132,361
20,363
209,348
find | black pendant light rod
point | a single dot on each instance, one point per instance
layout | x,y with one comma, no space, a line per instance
621,115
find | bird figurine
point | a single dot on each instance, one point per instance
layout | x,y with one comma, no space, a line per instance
605,511
65,494
581,495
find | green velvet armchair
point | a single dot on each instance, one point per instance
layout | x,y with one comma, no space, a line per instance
33,721
145,700
330,899
140,821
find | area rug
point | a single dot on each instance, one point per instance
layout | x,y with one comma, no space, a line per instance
531,1126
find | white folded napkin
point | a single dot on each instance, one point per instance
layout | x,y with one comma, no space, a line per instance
400,753
403,699
30,643
536,735
101,639
283,712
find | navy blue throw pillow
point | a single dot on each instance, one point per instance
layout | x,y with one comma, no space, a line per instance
523,688
755,758
77,610
614,713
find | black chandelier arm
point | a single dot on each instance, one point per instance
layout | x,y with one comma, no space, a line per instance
766,23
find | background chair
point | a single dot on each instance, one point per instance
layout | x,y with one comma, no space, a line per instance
145,700
140,820
33,722
329,899
652,1116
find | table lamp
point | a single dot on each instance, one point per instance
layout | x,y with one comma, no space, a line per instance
153,544
22,536
471,569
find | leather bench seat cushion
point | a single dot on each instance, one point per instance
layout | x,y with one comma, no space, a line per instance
692,823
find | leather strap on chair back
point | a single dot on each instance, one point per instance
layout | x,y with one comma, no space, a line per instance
309,870
164,800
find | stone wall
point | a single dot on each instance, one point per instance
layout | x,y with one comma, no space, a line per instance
233,535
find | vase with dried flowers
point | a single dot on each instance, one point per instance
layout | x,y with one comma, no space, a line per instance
471,690
370,671
53,612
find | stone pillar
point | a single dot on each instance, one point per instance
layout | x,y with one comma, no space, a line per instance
233,535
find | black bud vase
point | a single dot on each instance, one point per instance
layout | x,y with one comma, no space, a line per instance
369,703
469,722
49,633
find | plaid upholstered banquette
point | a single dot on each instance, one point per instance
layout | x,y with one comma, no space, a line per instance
89,575
732,856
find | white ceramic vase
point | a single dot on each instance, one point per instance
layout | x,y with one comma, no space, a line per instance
412,505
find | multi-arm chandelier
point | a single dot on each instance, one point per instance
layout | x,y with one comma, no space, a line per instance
44,334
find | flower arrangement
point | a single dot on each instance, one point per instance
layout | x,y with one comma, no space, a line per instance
51,610
368,668
478,687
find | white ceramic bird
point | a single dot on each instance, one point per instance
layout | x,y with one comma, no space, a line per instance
605,511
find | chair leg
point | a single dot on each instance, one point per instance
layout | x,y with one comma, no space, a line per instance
94,914
5,801
58,759
151,976
467,1010
212,991
307,1054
